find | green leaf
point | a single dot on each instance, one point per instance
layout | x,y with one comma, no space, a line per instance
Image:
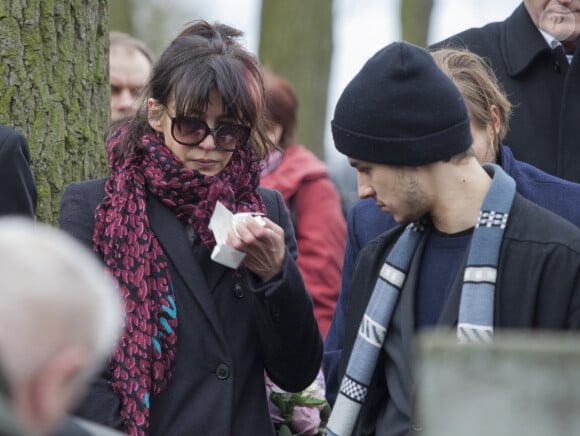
284,431
309,401
283,402
325,414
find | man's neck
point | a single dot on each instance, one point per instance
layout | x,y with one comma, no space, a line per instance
461,189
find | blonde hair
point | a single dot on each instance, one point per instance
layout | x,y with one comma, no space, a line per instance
479,86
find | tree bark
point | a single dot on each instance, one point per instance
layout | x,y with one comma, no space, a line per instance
296,43
55,89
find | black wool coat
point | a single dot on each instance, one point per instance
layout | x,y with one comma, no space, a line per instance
544,129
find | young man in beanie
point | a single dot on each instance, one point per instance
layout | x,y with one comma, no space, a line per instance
472,255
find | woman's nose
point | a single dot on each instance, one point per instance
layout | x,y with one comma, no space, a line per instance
208,142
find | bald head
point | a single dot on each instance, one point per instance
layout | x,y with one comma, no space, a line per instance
59,319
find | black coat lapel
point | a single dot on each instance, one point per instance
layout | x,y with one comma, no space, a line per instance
175,242
214,271
518,48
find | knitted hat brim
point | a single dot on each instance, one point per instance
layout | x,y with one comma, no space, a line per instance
414,151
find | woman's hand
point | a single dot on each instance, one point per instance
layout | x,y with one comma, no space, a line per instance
263,242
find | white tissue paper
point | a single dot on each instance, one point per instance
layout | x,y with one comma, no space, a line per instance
220,223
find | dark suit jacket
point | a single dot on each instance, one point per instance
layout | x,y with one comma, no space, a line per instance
230,330
17,188
544,128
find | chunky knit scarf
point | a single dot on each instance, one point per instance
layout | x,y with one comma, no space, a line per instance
143,362
475,309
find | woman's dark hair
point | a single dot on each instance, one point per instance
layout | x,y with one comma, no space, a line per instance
201,58
281,105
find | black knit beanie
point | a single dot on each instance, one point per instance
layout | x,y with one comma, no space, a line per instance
401,109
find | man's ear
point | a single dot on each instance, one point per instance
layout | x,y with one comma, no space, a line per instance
154,114
57,386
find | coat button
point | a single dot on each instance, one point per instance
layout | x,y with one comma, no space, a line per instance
416,427
222,371
238,290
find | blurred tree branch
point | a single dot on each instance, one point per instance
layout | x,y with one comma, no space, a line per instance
296,43
415,19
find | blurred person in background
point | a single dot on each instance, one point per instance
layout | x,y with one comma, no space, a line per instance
534,54
311,198
17,187
130,62
59,320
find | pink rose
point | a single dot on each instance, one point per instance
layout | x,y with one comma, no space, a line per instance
306,420
275,413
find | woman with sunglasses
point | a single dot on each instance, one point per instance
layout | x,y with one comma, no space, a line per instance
198,335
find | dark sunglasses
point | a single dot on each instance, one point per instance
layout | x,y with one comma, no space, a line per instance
191,131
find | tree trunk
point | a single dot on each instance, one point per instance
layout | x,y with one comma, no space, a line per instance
55,89
296,43
415,18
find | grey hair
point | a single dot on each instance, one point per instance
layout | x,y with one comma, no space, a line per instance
123,39
55,293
